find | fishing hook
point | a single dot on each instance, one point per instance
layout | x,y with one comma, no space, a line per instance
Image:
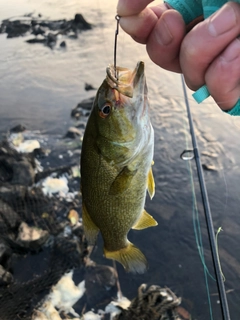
117,17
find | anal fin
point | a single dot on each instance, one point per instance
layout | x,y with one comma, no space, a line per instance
89,227
145,221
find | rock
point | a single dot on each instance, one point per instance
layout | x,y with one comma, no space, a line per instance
73,216
49,312
39,315
40,27
115,307
76,114
65,293
16,28
19,171
37,30
9,193
81,125
86,104
28,146
209,167
40,153
101,285
73,35
6,149
5,254
16,168
16,139
81,23
55,185
47,172
31,237
10,220
17,129
89,87
63,44
51,40
23,173
5,277
36,40
83,108
91,316
73,133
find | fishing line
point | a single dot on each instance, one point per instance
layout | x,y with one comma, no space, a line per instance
219,230
207,211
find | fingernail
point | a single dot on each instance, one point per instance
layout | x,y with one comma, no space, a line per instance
222,21
163,34
233,51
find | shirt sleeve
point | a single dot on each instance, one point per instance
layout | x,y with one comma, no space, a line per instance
192,9
189,9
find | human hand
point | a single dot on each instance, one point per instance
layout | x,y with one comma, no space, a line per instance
208,54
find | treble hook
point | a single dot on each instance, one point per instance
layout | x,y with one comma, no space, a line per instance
117,17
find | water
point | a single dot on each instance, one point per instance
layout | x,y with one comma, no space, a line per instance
39,87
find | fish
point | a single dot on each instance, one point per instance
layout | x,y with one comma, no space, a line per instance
116,165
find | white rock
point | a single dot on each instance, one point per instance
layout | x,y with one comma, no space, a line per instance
27,233
38,315
65,294
91,316
50,312
75,171
55,185
16,139
28,146
113,309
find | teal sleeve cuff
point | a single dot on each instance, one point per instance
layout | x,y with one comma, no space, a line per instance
211,6
235,111
203,93
189,9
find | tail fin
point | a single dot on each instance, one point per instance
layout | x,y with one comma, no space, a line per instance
130,257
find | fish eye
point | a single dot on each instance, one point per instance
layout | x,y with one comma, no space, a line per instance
105,110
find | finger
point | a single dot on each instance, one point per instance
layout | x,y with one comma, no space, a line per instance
223,77
163,44
131,7
206,41
139,26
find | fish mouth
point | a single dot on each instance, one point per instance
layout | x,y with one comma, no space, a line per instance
125,81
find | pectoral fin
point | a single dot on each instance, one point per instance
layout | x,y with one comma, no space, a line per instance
89,227
150,184
122,181
145,221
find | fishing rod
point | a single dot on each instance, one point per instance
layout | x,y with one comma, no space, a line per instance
207,211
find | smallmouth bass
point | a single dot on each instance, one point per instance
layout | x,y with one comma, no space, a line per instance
116,165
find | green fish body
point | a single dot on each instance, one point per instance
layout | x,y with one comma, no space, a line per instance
116,160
